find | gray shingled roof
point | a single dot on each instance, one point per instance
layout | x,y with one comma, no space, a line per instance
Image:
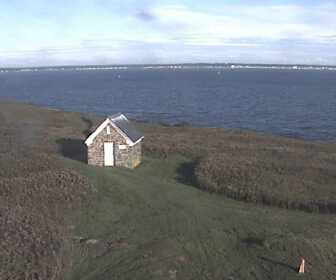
125,126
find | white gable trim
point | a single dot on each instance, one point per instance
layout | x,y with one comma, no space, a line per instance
122,116
99,129
93,135
136,142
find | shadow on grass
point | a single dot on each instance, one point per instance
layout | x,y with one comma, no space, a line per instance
294,268
185,173
73,148
89,124
254,241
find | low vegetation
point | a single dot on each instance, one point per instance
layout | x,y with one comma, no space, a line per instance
148,223
37,196
151,222
250,166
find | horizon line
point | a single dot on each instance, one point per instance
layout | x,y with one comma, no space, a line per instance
168,64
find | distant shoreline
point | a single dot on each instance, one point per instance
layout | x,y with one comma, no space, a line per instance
172,66
179,124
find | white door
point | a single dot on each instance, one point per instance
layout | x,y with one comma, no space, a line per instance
108,154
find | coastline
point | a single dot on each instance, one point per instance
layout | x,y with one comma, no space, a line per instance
138,223
172,67
184,124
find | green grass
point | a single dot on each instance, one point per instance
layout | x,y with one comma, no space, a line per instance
149,225
250,166
149,222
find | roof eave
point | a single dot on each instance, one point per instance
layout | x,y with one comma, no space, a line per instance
110,121
93,135
137,141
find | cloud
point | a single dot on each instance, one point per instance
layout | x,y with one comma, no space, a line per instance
145,30
145,16
268,23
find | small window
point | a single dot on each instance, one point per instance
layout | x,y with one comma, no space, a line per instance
122,147
108,130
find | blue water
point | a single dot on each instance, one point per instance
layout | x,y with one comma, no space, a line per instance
295,103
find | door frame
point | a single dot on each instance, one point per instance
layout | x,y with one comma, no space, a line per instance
107,152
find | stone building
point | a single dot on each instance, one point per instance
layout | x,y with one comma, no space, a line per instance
115,142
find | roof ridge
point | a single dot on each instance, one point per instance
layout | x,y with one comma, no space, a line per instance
117,116
123,126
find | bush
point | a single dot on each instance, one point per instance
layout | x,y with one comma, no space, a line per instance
251,166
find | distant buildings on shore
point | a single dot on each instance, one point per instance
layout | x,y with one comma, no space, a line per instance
174,66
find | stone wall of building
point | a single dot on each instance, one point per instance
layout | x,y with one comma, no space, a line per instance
127,157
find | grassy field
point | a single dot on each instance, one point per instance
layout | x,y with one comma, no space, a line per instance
154,222
148,224
251,166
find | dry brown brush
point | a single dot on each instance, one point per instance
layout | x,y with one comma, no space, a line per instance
38,197
253,167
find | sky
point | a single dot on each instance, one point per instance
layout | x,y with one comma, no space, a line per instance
81,32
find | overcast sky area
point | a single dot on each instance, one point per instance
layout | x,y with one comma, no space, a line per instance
61,32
